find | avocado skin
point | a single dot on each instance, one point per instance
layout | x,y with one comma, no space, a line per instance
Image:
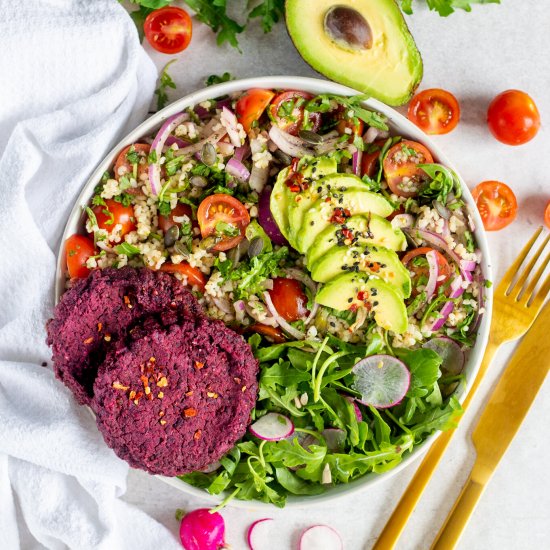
355,76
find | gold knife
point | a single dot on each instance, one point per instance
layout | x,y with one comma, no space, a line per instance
500,421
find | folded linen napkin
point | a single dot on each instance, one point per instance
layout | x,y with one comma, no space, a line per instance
73,80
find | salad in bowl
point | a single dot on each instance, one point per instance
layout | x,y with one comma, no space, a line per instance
330,235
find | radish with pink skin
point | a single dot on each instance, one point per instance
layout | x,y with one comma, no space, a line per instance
202,530
321,537
258,534
272,427
335,439
382,380
450,352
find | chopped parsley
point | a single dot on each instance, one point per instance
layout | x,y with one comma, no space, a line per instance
165,82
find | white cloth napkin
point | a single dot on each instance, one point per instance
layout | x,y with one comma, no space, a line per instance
73,80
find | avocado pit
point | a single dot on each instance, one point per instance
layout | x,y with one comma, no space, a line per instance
348,28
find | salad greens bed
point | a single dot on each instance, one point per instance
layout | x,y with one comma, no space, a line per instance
375,440
269,12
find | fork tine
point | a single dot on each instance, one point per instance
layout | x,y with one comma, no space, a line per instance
518,288
535,301
505,283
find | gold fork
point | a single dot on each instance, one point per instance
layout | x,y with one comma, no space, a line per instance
515,306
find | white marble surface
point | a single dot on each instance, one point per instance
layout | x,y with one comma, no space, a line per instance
475,55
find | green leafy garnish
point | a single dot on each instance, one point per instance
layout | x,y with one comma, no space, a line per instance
443,182
127,249
218,79
227,229
446,7
165,82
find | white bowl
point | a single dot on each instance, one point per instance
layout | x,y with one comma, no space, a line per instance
398,124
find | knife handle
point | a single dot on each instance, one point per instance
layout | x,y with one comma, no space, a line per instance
449,534
395,525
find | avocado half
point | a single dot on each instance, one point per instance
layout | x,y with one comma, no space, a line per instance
364,44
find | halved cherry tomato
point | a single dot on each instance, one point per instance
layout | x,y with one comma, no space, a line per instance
496,203
168,29
287,111
513,117
195,277
166,222
547,215
123,166
401,170
251,106
273,334
445,270
114,213
356,127
289,298
369,162
222,208
436,111
78,249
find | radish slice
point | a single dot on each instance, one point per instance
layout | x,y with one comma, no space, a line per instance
382,380
202,530
237,169
335,438
434,274
229,122
258,534
446,310
287,144
272,427
321,537
170,124
450,352
356,162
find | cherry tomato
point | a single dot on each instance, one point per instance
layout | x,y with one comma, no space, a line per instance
289,299
436,111
547,215
273,334
195,277
251,106
401,170
369,162
287,111
223,208
168,29
513,117
123,166
345,123
496,203
166,222
78,249
114,213
444,269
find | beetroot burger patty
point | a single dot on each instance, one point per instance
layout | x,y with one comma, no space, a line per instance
101,309
176,399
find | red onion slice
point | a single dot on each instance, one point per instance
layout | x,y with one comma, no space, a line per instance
237,169
241,153
442,210
288,328
229,122
356,162
468,265
170,140
288,144
446,310
434,274
170,124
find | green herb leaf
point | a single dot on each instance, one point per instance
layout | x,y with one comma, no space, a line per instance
165,82
127,249
218,79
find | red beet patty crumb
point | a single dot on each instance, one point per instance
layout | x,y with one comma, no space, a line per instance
100,310
174,399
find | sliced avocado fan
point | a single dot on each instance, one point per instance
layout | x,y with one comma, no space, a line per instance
365,44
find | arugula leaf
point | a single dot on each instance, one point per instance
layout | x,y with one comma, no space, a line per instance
293,484
213,13
165,81
424,366
218,79
127,249
270,12
444,181
446,7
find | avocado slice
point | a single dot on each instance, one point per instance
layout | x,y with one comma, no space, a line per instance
332,185
375,260
282,198
360,229
365,44
355,290
347,203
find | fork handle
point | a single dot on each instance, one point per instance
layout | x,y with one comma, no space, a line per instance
449,535
395,525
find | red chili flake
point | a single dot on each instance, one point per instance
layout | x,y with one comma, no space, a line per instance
294,188
118,386
89,340
237,380
340,215
127,302
199,365
353,307
99,327
152,359
189,393
197,435
144,381
162,382
161,413
374,266
132,394
190,412
347,234
243,389
363,295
